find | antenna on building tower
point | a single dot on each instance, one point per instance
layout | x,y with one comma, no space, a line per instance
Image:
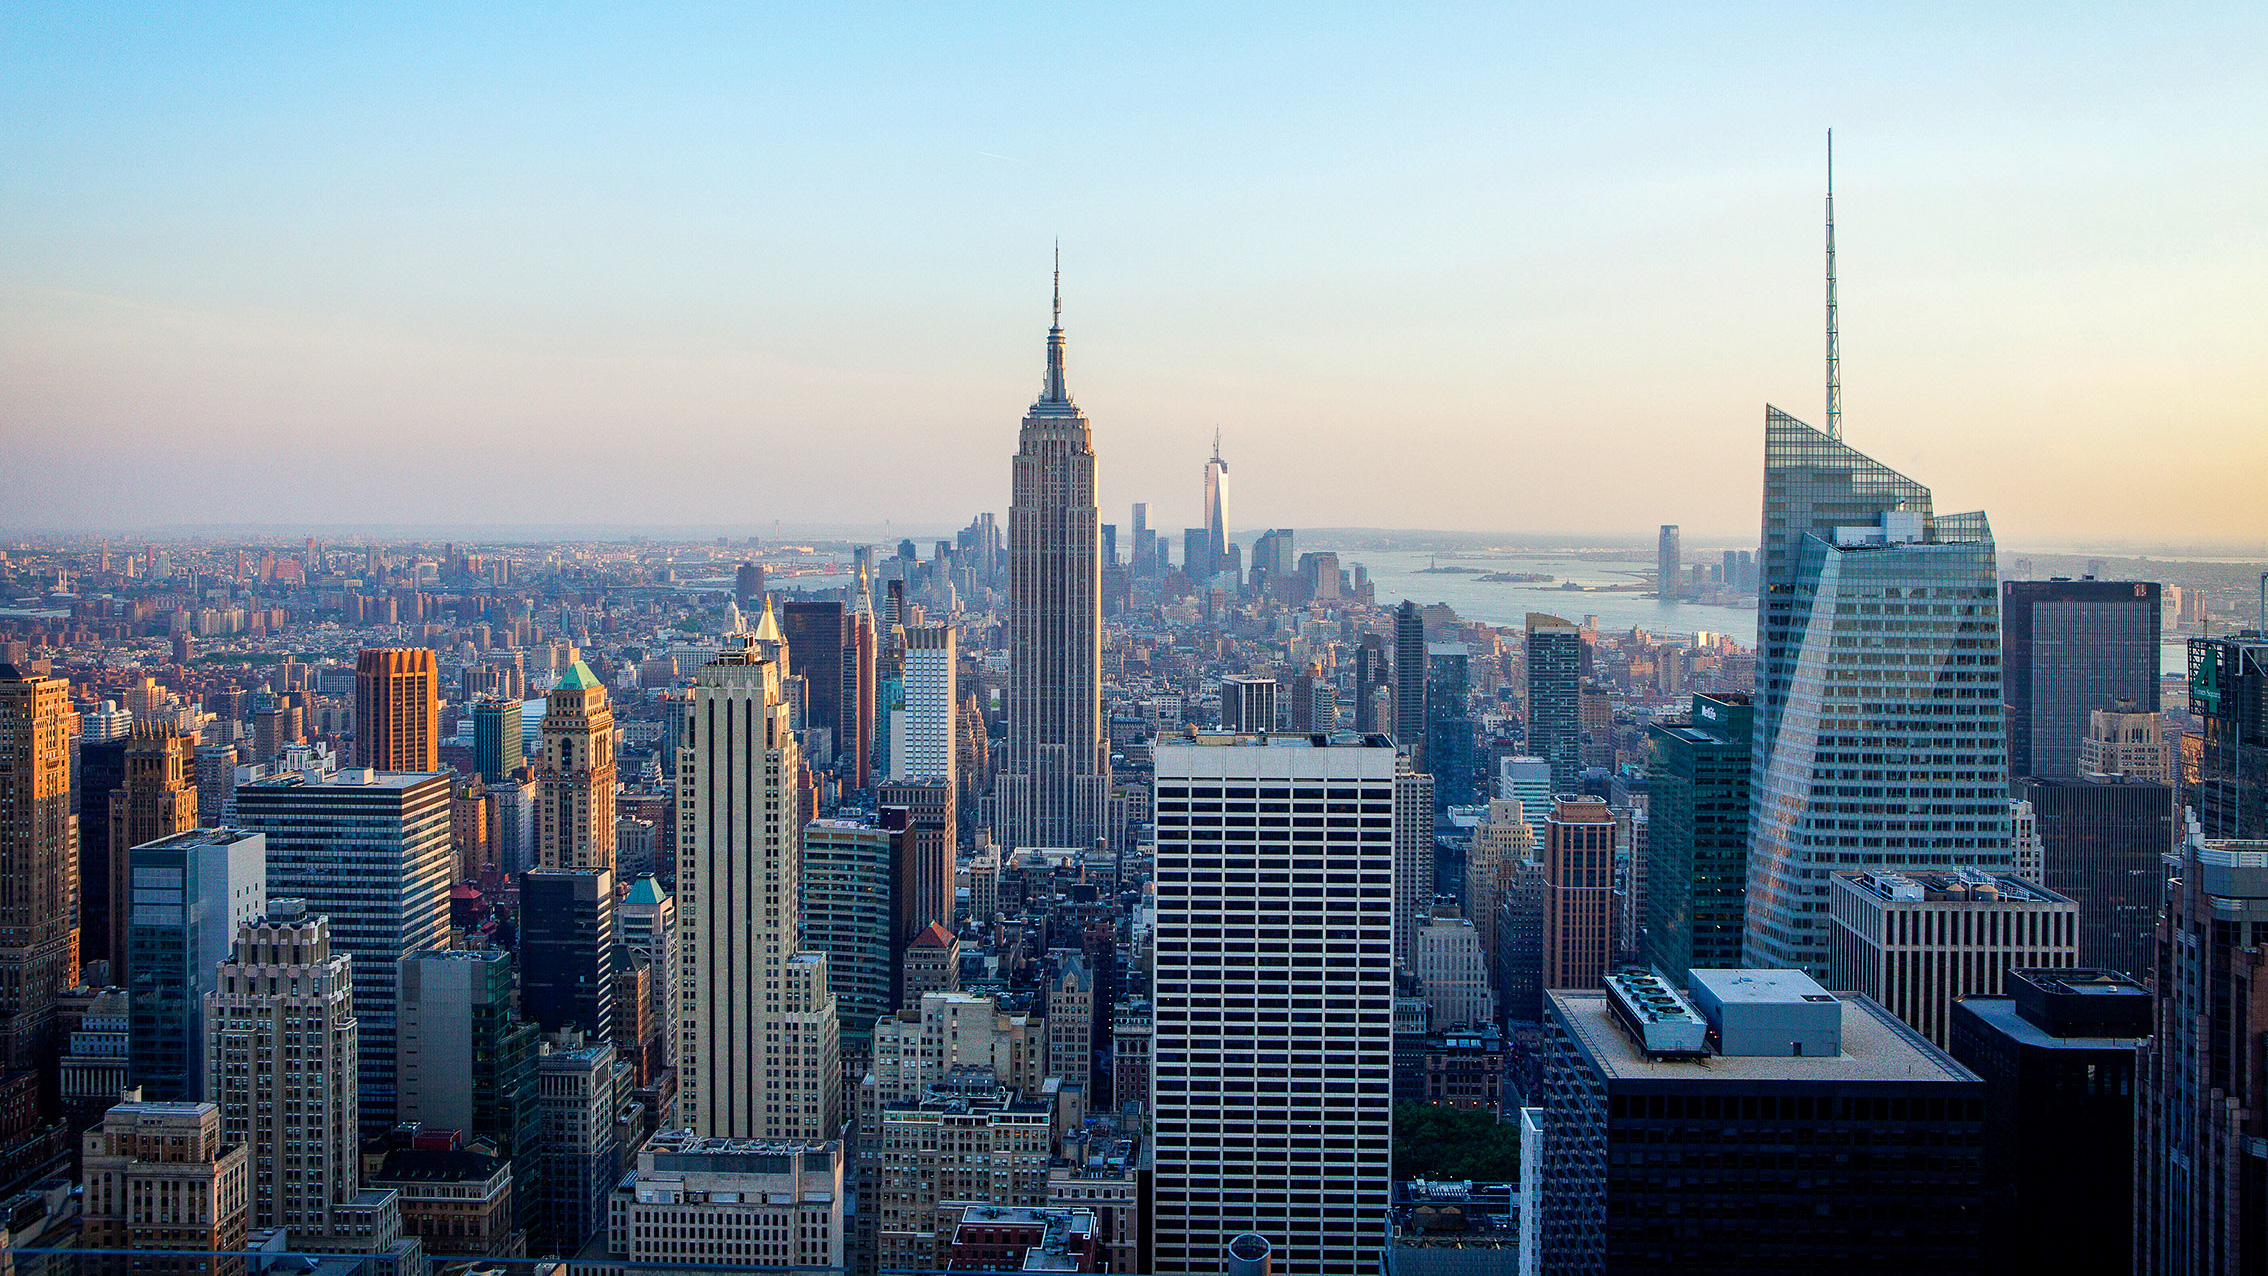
1834,347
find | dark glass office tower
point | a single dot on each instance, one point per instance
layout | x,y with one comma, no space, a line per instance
1555,698
1669,565
498,739
2069,647
567,939
2224,763
2103,845
1409,681
818,636
2057,1058
191,891
1370,671
1449,726
1697,838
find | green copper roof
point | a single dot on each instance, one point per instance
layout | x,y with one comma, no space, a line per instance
646,890
577,678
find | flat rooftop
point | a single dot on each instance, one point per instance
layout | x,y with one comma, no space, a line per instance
1876,1047
1744,987
2000,1013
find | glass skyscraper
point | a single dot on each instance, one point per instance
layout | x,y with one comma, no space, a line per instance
1879,738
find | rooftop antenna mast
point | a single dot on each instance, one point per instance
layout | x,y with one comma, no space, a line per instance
1834,345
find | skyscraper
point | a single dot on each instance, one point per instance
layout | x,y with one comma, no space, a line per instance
1917,941
2058,1060
758,1044
1697,837
370,852
923,745
1413,854
1669,565
1555,699
2103,842
1216,506
1449,725
818,637
1578,860
853,889
191,892
2069,647
748,583
39,846
2202,1096
649,928
281,1034
158,798
1297,1148
575,775
1370,673
1879,629
1055,783
2225,761
1409,682
567,960
1248,705
496,738
469,1062
397,710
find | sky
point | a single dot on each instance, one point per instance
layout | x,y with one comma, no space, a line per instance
1508,267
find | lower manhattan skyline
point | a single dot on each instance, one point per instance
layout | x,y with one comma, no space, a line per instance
246,244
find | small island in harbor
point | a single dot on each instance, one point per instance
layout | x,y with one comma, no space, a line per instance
1520,578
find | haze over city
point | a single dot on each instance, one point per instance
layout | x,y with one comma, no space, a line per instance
1422,270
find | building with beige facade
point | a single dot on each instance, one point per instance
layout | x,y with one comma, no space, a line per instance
1917,941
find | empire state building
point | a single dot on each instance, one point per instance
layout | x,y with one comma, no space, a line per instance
1054,787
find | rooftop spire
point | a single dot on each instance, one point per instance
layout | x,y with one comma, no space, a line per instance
1053,391
1217,444
1834,348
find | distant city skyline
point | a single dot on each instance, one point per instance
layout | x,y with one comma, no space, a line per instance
308,255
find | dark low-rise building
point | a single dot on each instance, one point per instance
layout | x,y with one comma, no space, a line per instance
1764,1125
2057,1058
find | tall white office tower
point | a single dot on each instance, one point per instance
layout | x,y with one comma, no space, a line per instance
1054,785
757,1044
1273,1033
923,736
281,1039
1879,741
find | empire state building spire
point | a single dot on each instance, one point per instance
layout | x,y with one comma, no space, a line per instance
1053,391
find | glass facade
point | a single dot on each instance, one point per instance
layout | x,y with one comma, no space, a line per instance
2103,845
1880,739
2070,647
1697,838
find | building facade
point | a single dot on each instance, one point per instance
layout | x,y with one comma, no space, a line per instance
370,852
758,1051
1697,836
2201,1179
39,852
1555,699
1652,1153
2224,764
714,1202
1578,862
191,892
2068,648
2058,1060
397,710
282,1042
568,935
1054,785
1879,656
575,775
2103,843
1918,942
1254,921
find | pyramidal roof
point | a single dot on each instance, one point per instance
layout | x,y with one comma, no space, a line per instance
934,937
647,890
578,678
768,628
